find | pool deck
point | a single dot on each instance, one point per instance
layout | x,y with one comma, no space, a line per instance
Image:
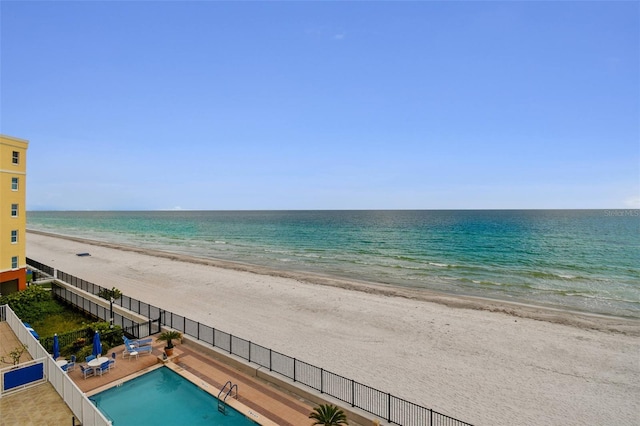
257,399
44,406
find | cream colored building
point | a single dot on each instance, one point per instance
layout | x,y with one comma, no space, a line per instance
13,215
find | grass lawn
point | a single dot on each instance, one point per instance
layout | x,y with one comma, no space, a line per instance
48,316
59,322
45,314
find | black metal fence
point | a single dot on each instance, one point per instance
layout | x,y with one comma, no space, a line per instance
66,339
382,404
88,307
41,267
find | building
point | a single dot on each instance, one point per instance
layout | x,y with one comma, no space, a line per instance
13,215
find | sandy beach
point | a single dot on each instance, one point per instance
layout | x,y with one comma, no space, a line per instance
482,361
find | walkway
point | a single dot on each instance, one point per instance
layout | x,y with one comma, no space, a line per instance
44,407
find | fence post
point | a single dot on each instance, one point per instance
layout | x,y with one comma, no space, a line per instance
249,350
198,333
321,380
430,417
389,407
294,369
214,338
270,359
231,343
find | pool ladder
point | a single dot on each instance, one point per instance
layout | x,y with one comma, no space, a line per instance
222,402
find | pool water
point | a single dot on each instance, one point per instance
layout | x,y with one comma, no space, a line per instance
164,397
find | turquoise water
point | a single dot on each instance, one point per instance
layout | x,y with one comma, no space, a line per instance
164,397
587,260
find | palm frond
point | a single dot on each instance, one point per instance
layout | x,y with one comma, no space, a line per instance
328,415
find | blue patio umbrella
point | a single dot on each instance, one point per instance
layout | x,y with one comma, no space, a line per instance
97,346
56,347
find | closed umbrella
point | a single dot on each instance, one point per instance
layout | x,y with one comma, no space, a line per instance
97,346
56,346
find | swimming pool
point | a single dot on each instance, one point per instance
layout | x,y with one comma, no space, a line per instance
164,397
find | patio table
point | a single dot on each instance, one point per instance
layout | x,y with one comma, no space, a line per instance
97,362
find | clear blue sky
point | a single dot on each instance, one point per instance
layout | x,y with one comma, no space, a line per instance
324,105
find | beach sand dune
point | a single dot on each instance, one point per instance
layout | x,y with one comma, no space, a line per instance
484,362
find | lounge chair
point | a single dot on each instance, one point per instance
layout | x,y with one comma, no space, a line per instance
104,368
144,349
136,343
142,342
31,330
128,346
86,371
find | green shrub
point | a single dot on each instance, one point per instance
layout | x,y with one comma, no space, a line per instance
37,307
31,304
83,353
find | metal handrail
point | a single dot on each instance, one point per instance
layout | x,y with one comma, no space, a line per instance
222,402
231,390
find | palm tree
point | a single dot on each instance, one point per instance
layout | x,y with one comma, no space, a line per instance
168,336
328,415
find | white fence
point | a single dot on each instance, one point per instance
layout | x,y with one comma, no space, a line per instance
79,404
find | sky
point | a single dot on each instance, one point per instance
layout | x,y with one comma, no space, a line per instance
213,105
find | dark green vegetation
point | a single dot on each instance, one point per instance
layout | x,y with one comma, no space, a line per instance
169,337
47,316
109,294
328,415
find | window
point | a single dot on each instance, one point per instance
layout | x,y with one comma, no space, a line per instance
16,157
14,235
14,183
14,210
14,262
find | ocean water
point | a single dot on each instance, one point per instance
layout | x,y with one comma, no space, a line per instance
584,260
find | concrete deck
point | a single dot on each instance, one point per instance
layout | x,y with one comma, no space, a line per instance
35,406
262,401
258,399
